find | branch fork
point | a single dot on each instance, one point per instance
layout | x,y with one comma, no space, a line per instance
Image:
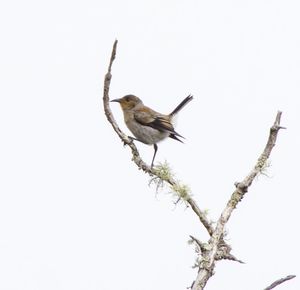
216,248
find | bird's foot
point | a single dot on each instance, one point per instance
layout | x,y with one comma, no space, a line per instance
131,139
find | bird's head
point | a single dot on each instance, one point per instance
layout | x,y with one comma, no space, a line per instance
128,102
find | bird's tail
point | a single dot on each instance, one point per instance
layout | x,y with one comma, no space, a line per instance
181,105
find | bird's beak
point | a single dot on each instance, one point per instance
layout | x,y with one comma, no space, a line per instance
116,100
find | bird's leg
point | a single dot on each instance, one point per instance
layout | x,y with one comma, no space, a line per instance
155,150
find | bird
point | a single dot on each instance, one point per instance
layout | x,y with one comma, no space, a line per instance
147,125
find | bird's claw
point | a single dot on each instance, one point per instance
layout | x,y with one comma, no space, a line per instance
131,139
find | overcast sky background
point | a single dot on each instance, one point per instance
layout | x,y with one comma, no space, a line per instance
75,213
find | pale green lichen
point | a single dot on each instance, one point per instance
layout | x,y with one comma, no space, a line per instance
264,168
181,191
163,173
263,164
235,198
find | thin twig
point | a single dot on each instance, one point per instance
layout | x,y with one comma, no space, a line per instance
279,281
201,245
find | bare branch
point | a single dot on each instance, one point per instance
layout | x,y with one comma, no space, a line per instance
223,250
135,153
279,281
201,245
208,260
201,215
231,257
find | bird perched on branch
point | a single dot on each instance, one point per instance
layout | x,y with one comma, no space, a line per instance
147,125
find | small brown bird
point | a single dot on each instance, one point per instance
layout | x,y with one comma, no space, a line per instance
147,125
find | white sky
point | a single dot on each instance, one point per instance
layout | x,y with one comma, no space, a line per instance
75,213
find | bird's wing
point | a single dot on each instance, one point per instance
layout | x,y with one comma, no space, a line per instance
148,117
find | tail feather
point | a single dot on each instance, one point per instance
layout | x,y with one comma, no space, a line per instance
181,105
173,136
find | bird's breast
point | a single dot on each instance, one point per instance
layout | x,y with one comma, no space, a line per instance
144,133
